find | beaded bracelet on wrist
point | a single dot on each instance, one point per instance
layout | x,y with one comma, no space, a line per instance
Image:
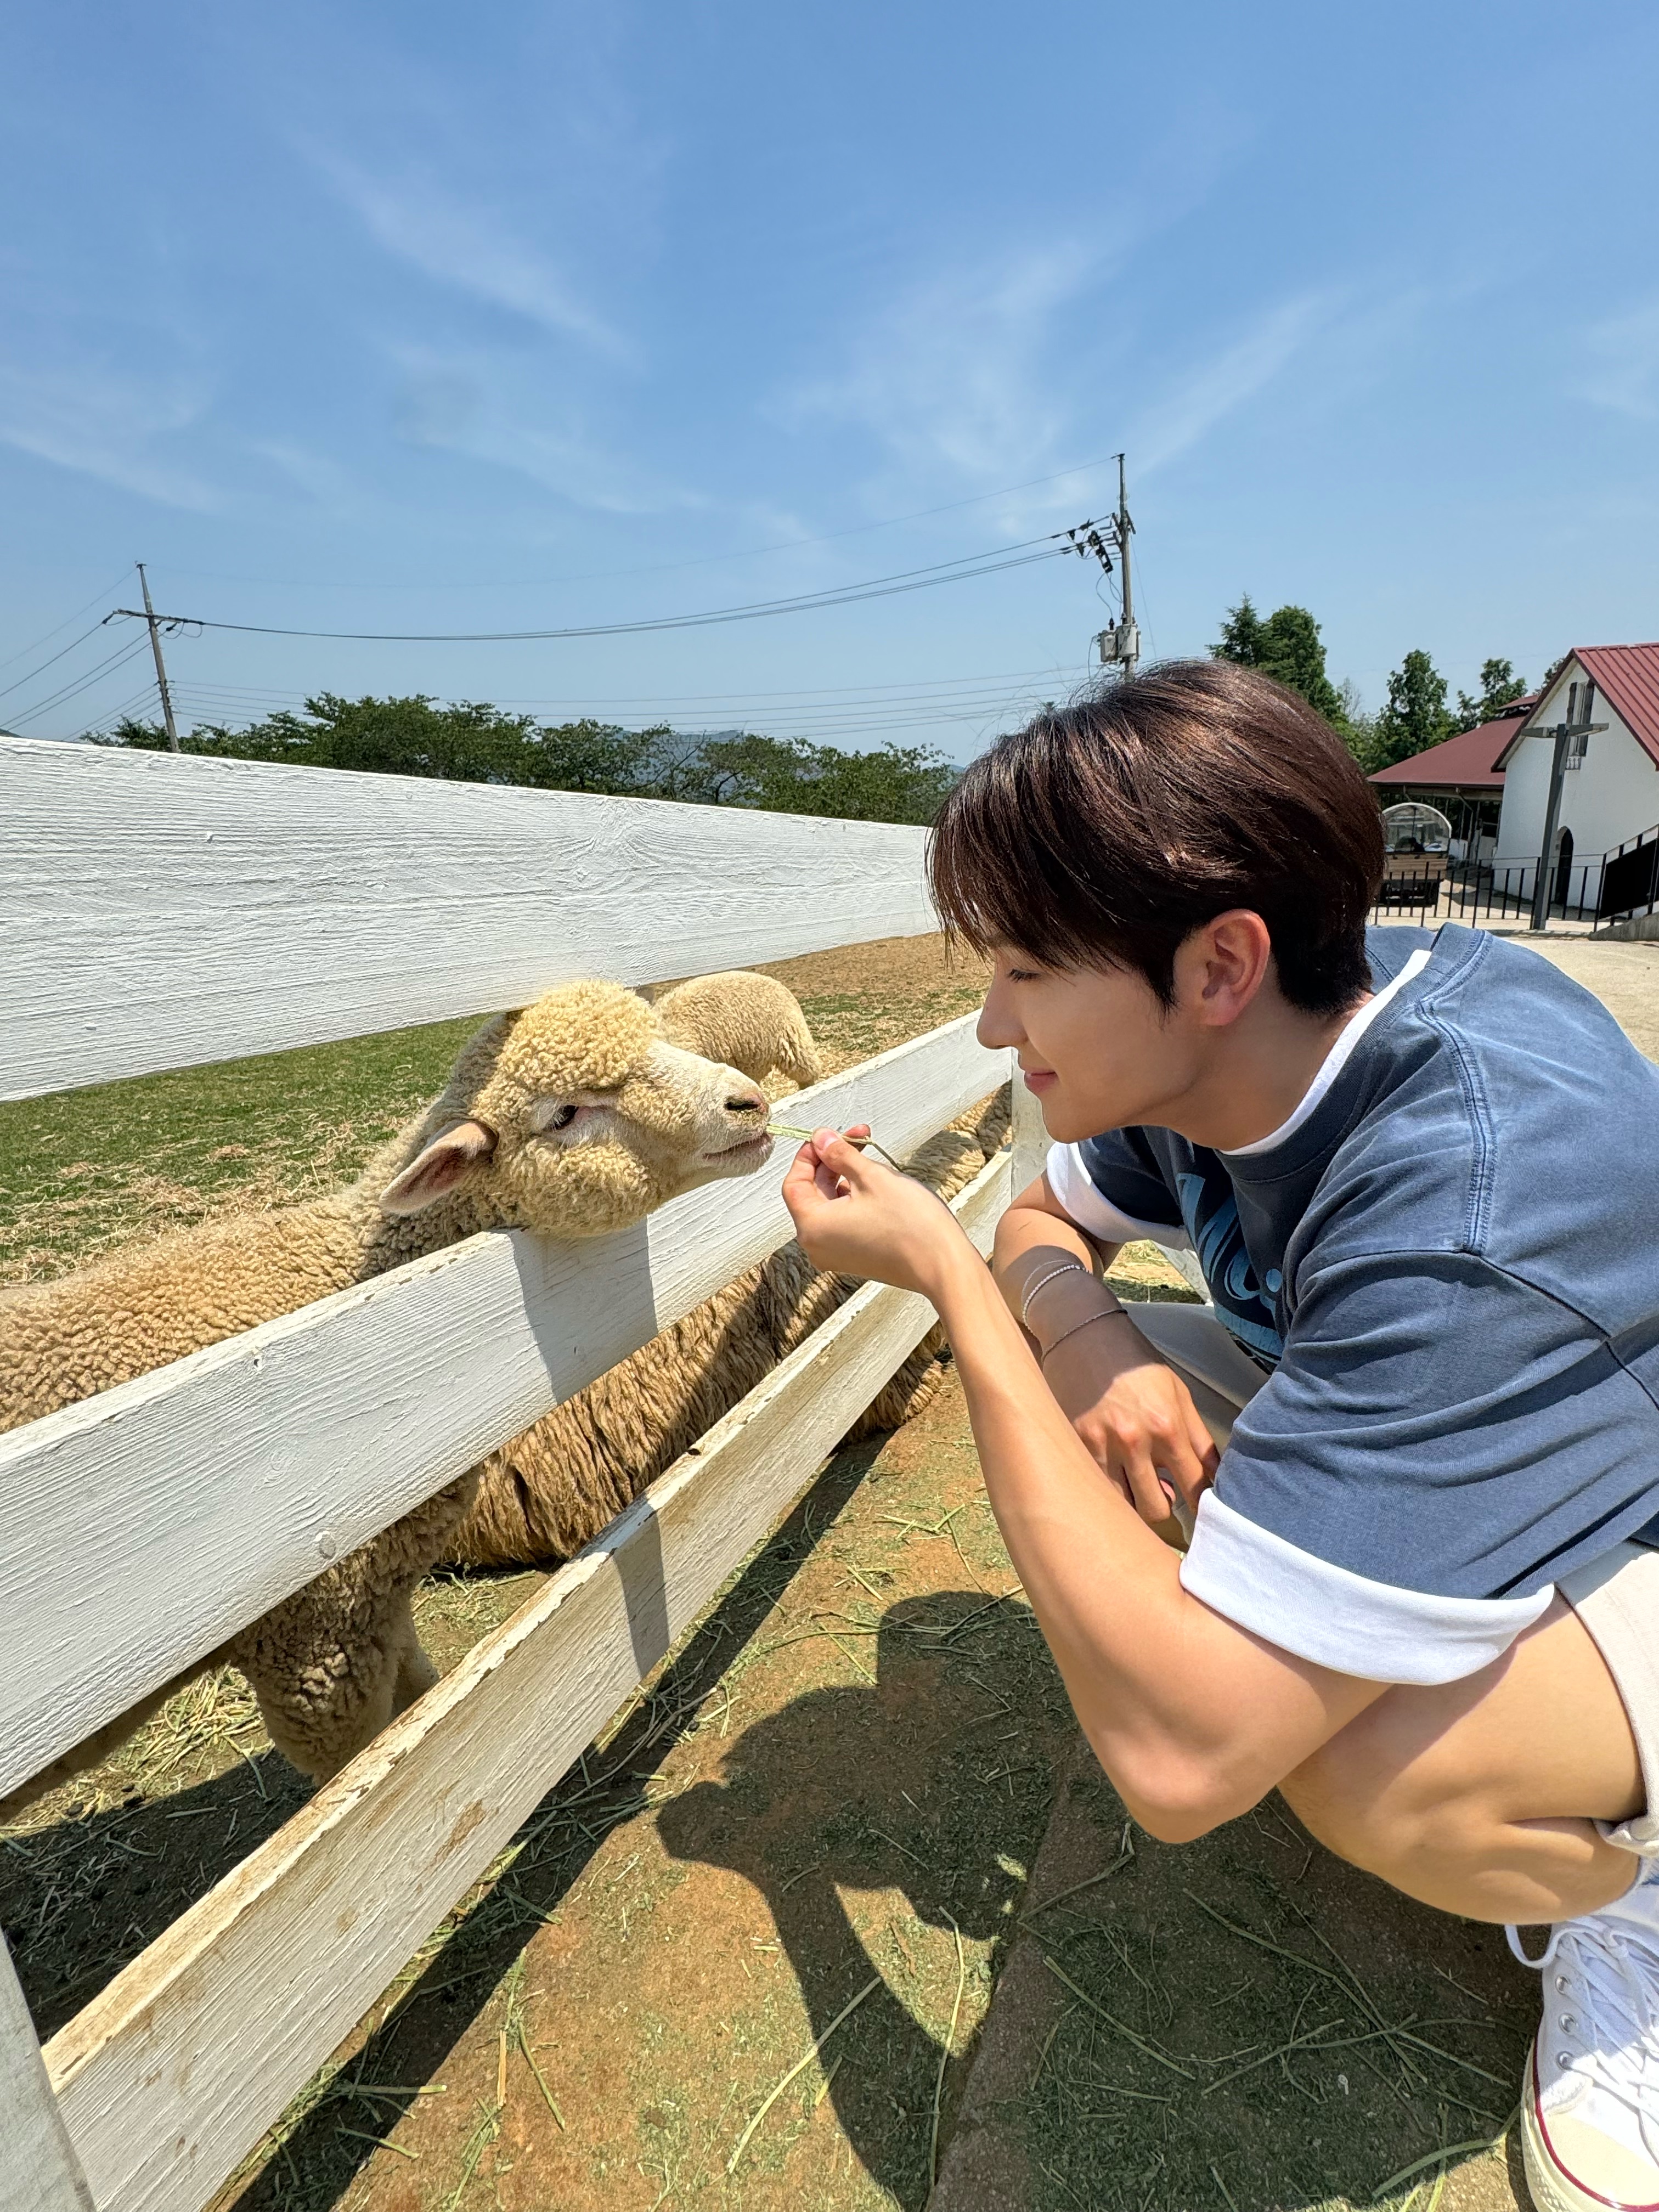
1066,1268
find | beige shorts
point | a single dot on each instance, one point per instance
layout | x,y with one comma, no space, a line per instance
1616,1597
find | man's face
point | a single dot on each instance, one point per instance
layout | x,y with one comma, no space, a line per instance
1097,1048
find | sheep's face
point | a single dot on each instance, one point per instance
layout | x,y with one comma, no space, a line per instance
587,1120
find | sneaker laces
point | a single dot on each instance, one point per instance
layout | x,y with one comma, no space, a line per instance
1602,2014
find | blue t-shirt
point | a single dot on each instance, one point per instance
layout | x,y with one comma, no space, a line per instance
1445,1263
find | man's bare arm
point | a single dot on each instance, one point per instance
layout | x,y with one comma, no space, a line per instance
1133,1412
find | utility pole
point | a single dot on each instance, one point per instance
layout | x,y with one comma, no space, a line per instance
157,624
1127,641
1120,646
1571,740
160,666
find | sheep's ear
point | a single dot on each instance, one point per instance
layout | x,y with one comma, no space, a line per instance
439,1168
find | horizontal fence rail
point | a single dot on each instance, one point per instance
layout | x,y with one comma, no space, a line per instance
147,1524
159,912
173,2073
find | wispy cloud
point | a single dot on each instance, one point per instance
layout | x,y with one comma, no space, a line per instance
478,407
92,419
470,247
1624,357
954,380
1205,396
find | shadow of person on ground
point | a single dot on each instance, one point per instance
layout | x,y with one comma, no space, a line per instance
1246,2006
903,1785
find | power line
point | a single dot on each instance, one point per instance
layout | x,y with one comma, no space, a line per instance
44,665
64,624
1054,545
60,697
628,701
669,568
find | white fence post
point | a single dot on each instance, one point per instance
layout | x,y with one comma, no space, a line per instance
38,2170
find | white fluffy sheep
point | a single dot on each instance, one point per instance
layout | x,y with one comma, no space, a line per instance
543,1496
574,1116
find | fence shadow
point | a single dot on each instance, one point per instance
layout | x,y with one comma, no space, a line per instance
415,2035
81,1898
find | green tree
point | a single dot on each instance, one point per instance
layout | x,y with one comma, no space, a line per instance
1241,635
898,783
1499,688
1286,646
473,743
1293,653
1416,716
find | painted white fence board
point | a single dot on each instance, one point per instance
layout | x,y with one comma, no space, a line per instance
175,2070
147,1524
1031,1137
1186,1265
39,2170
157,911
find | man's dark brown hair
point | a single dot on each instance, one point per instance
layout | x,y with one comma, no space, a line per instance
1110,830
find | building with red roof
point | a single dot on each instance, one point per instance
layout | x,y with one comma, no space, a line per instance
1493,783
1462,777
1610,796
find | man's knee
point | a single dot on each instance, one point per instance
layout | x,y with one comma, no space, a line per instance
1360,1803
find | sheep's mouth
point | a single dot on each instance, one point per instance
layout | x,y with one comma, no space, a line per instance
757,1148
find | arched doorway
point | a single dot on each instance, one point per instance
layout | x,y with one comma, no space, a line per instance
1563,869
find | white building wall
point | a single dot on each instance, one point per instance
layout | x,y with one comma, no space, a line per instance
1614,796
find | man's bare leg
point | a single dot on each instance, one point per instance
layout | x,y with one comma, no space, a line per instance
1480,1796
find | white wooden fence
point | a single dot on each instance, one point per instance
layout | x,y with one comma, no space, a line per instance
157,912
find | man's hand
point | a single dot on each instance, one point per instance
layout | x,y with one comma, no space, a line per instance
853,1216
1135,1415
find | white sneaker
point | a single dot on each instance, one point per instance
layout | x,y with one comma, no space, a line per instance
1589,2107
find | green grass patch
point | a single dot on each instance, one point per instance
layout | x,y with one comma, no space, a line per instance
85,1170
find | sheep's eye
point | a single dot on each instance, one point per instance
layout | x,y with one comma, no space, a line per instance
560,1117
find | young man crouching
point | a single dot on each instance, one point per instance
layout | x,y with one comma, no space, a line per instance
1419,1172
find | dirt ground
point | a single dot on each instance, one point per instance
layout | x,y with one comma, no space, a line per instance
746,1957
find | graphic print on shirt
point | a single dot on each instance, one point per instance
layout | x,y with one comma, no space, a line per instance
1211,1214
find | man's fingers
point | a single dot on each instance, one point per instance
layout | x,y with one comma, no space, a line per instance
1184,1467
1146,1491
1204,1450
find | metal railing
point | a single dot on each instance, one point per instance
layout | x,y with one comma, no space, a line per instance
1630,881
1488,890
1601,889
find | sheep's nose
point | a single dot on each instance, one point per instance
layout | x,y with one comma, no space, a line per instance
748,1100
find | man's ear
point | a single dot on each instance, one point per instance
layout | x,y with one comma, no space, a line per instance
439,1168
1232,959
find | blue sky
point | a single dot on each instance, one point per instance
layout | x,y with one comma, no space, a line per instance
412,318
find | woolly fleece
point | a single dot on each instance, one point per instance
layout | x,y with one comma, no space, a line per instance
332,1663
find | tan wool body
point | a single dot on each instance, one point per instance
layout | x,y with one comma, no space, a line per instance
648,1118
749,1020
